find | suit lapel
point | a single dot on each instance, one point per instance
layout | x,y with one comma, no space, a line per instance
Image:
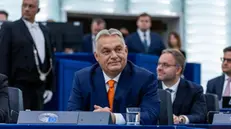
26,31
123,86
220,86
152,43
140,44
99,93
181,94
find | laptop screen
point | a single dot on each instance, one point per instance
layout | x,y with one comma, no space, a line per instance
226,102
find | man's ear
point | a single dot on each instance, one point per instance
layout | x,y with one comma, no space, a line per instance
38,10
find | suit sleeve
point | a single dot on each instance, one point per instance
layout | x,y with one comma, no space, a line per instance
150,104
199,109
5,49
4,100
209,87
75,101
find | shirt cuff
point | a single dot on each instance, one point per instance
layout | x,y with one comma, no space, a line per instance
186,119
119,119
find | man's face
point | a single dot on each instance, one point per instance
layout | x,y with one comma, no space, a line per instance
29,9
144,23
226,63
167,70
97,27
111,54
3,17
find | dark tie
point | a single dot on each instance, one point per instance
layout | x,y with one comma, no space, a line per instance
145,42
169,90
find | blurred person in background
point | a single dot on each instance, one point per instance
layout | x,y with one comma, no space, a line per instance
145,41
221,85
97,25
114,83
124,31
174,41
26,57
3,15
187,97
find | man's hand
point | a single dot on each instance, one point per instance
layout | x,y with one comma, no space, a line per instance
176,119
105,109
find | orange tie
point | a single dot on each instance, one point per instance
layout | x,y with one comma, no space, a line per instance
111,93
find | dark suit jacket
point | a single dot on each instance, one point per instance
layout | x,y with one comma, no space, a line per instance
136,88
17,57
189,101
87,43
135,44
4,99
215,86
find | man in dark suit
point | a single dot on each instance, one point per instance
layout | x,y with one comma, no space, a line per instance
94,87
26,57
4,99
97,25
221,85
144,41
188,100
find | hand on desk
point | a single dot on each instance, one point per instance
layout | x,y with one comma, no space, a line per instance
179,119
105,109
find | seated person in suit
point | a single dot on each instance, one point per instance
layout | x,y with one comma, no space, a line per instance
97,25
188,100
4,99
144,41
113,84
221,85
174,42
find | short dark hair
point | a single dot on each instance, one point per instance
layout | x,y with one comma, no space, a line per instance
98,21
227,49
144,15
4,12
179,57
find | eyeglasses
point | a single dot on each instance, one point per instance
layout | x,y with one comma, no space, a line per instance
226,59
165,65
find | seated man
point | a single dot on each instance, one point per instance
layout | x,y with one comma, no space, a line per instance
4,99
113,84
221,85
188,101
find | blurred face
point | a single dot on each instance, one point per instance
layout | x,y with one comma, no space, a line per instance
95,27
144,23
111,54
29,9
167,69
3,17
173,40
226,63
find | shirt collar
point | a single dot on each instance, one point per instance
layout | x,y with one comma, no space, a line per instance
29,24
142,33
106,78
173,88
226,77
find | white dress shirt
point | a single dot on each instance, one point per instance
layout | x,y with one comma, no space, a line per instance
38,38
173,94
225,84
119,117
148,38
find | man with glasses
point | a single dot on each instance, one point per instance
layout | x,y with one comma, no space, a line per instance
144,41
187,97
221,84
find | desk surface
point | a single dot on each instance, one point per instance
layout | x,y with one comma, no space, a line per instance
57,126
